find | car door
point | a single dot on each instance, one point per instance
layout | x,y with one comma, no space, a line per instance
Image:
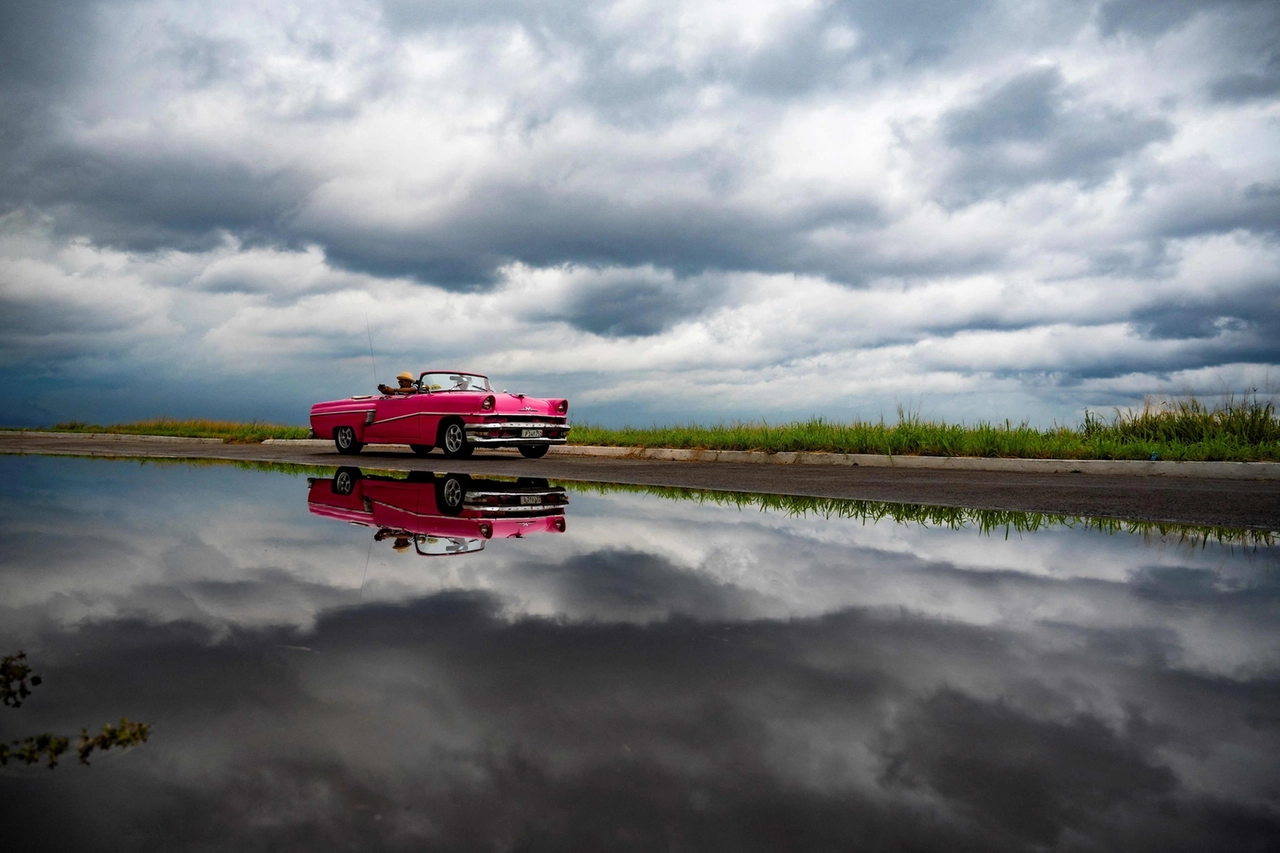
396,419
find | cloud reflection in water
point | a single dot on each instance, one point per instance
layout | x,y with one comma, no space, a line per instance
664,674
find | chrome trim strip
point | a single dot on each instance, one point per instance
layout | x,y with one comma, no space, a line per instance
491,442
518,425
341,412
546,509
536,493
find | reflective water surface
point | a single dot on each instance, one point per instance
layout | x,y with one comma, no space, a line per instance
372,662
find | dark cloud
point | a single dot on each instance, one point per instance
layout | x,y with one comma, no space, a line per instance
147,201
623,584
1249,87
1155,17
1033,129
619,305
445,726
1031,777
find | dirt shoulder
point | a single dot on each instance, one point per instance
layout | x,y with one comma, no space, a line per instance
1200,500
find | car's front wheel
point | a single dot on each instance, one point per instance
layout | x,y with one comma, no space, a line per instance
421,449
533,451
453,440
344,437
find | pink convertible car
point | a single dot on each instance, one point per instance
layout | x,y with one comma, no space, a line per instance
449,409
439,514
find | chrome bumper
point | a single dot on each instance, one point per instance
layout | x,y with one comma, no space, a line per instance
474,430
491,442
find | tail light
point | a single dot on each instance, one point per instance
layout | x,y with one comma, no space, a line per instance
488,403
563,407
486,530
559,524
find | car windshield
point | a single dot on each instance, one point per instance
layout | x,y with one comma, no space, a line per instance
439,546
454,382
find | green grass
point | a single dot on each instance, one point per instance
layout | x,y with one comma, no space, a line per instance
232,432
1242,429
984,521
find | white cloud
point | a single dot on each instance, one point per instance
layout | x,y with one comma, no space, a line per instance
639,203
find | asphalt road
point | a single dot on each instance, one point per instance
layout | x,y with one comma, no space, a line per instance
1199,501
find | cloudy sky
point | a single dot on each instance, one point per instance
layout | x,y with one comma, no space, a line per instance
663,210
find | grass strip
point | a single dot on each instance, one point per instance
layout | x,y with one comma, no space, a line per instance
232,432
1184,429
1175,429
984,521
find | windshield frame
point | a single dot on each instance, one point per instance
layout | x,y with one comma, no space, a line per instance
454,377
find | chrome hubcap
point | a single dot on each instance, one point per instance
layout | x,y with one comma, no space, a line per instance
452,492
453,438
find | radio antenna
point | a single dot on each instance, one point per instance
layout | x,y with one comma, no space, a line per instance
371,358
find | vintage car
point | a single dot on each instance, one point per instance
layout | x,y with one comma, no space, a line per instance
439,514
449,409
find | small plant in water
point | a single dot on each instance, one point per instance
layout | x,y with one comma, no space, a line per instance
16,681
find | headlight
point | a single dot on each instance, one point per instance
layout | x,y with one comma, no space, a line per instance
488,403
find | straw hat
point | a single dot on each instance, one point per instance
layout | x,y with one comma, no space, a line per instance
406,375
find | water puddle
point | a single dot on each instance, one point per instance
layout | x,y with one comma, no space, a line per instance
350,658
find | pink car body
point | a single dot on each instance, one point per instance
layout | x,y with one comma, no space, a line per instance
453,410
439,514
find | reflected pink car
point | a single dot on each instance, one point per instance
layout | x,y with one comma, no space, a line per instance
439,514
453,410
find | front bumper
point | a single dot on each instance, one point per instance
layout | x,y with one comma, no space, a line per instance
513,433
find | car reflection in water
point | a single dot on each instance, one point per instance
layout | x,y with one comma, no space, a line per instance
439,515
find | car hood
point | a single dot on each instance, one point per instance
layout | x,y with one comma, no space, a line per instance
514,404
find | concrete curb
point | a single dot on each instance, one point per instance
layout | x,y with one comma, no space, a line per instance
1130,468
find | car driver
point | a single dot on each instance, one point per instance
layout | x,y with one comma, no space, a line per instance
406,385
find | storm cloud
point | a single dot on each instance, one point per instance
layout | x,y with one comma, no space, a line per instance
631,204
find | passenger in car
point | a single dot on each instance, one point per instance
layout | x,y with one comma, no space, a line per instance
406,385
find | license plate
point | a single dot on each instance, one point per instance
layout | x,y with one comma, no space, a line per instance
531,499
531,433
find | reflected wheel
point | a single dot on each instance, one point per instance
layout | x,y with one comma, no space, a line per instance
421,449
344,481
451,492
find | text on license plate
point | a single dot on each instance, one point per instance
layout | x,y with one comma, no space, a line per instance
531,433
531,499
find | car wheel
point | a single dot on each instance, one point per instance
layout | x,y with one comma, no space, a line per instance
451,492
345,439
533,451
344,481
421,449
453,440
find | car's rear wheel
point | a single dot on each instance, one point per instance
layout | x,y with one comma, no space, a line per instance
421,449
533,451
344,437
453,440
